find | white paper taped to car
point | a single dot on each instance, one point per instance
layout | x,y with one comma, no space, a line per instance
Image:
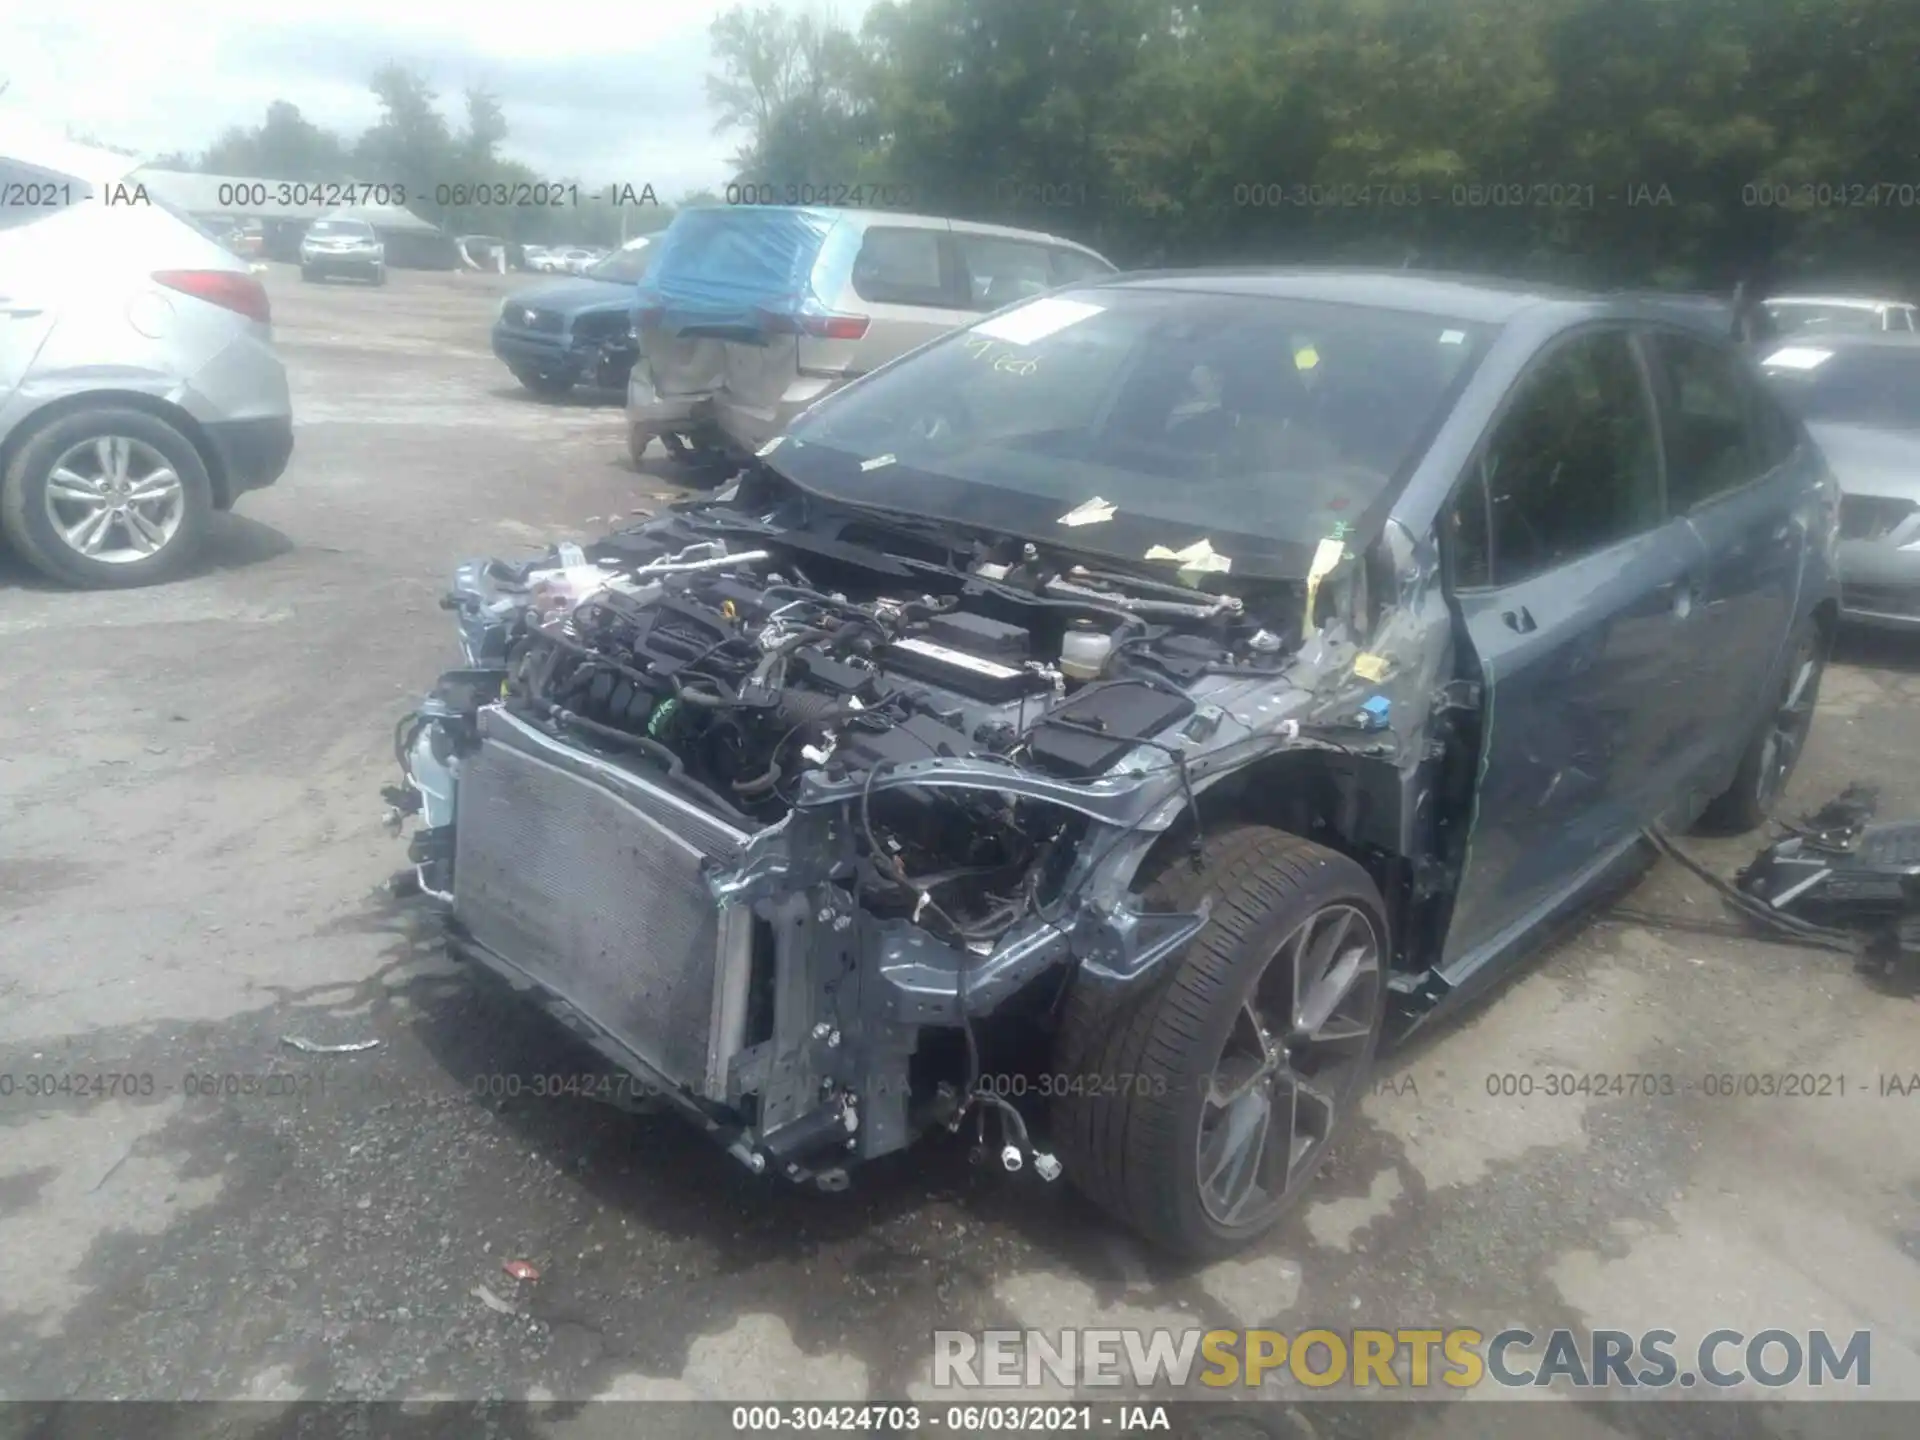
1036,320
1799,357
1088,512
1198,557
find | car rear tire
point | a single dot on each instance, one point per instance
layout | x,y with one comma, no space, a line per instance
1768,762
107,498
539,384
1176,1089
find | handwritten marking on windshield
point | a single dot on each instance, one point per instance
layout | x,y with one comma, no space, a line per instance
1006,361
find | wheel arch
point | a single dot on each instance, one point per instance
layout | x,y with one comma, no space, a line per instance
82,400
1360,806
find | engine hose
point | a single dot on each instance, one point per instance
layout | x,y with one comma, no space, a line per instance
653,749
805,707
588,652
759,784
703,699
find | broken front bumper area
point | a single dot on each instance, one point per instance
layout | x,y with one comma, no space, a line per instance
735,975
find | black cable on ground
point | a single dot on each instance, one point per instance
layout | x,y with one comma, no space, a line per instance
1801,931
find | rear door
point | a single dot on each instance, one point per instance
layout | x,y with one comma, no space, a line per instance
1734,473
1565,567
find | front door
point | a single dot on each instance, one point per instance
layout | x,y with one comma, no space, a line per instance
1571,585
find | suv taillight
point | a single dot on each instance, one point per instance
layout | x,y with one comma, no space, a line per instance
226,288
822,327
834,327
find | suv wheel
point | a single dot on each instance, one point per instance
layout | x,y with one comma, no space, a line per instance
1214,1090
107,499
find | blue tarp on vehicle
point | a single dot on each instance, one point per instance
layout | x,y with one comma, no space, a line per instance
718,267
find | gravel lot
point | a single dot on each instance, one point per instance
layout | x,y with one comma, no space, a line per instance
190,862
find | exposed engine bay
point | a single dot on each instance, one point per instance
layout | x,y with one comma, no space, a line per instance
772,814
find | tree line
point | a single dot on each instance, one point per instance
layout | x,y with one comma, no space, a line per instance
1608,142
451,175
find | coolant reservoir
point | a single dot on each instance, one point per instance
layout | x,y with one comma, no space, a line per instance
1084,651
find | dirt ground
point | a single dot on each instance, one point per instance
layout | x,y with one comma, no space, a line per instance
190,863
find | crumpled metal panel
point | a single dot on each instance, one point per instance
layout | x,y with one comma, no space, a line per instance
594,898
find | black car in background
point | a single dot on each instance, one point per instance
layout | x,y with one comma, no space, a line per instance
575,331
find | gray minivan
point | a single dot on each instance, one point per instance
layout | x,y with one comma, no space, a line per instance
752,313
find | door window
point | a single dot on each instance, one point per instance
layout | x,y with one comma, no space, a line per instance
1711,417
999,271
1070,267
1571,468
898,266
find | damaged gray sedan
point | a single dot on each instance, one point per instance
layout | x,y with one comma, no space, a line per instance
1112,717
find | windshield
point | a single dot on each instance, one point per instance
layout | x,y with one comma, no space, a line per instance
626,266
1876,385
1841,319
341,230
1260,424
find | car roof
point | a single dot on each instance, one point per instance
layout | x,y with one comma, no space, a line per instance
34,145
1873,340
1482,299
1843,302
912,220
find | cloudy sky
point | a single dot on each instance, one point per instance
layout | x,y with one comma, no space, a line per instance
608,90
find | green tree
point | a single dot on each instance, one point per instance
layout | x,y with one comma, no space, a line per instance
284,146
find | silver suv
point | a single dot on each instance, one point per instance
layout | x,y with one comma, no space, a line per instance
343,245
139,389
750,314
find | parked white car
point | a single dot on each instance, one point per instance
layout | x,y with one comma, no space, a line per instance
1841,315
139,388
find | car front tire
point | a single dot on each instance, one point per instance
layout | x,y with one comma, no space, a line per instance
309,274
1198,1104
107,498
548,385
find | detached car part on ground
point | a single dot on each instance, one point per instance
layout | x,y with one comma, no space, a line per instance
139,388
1144,715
